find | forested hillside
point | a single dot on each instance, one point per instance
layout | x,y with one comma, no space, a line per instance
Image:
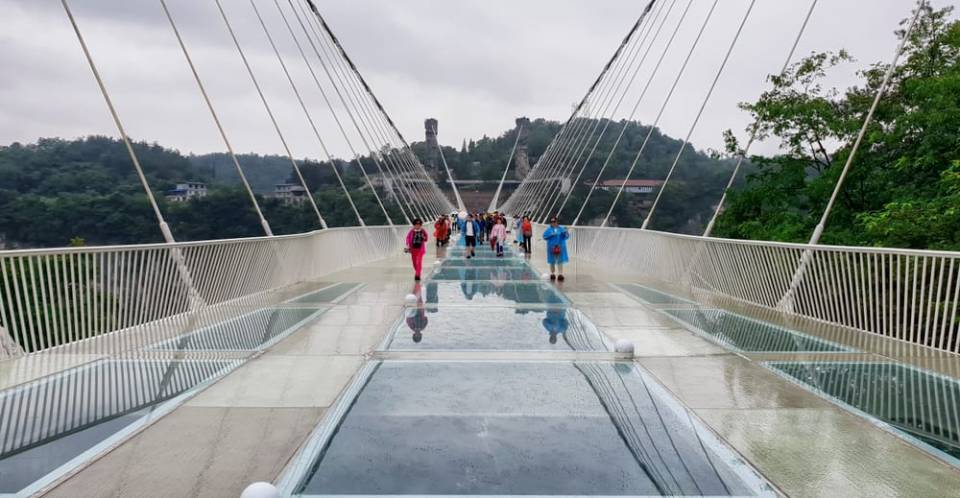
904,187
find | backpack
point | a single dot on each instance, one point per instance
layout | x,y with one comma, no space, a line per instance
417,242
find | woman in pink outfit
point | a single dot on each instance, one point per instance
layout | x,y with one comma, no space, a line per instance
417,246
497,236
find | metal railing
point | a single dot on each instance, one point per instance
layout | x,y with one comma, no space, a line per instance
910,295
108,300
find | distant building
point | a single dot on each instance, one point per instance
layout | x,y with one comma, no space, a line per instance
290,193
632,186
187,191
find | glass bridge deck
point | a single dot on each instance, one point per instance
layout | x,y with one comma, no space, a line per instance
49,423
540,426
923,406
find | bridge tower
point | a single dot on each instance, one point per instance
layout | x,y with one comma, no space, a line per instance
433,156
522,160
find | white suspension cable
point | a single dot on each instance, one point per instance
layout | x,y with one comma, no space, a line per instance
604,117
383,161
633,77
539,168
343,130
753,134
513,151
663,108
633,112
696,120
216,120
306,112
194,298
787,302
453,184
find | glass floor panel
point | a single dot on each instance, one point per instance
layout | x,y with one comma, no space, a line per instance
744,334
458,263
482,252
502,273
249,332
923,405
494,293
651,296
495,329
48,422
324,296
502,428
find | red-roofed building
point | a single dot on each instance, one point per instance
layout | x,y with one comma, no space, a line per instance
632,187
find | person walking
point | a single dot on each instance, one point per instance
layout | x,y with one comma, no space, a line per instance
441,231
526,229
518,230
556,237
471,230
498,235
417,246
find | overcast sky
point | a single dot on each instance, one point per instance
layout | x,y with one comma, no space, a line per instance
475,65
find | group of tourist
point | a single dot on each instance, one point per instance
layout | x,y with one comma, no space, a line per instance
479,227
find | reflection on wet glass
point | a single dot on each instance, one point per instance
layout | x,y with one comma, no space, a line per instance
489,273
245,333
745,334
926,406
327,295
46,423
651,296
459,428
459,263
487,292
495,329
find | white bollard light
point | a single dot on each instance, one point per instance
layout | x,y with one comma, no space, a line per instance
624,347
410,299
260,490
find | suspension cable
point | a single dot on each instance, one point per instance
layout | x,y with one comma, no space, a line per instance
388,159
164,228
601,113
453,184
696,120
383,162
663,108
753,134
303,106
437,195
343,130
787,301
633,112
513,151
540,165
633,77
216,121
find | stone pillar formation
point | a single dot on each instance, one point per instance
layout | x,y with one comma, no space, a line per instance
521,159
433,154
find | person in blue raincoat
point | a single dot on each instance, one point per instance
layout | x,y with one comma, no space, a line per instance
556,237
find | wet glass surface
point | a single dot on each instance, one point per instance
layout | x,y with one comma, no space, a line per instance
494,329
463,262
923,405
484,292
489,273
745,334
246,333
328,295
46,423
651,296
461,428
